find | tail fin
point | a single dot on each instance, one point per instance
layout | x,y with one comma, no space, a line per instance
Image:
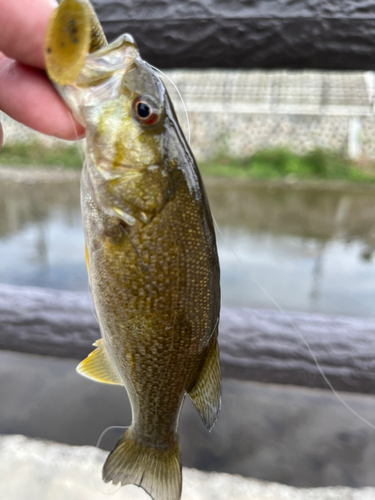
157,471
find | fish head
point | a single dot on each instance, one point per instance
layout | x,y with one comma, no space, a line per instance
126,134
133,141
126,111
123,110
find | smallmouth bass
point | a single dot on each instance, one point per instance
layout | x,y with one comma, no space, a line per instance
150,246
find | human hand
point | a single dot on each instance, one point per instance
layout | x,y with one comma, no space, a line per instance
26,94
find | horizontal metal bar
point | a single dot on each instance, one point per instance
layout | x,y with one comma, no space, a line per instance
255,345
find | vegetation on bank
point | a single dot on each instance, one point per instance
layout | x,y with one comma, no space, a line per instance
36,155
277,163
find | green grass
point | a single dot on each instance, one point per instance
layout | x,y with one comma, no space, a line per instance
37,155
281,163
277,163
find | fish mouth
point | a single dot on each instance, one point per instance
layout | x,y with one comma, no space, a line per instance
114,58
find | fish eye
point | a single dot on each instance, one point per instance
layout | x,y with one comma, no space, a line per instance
145,111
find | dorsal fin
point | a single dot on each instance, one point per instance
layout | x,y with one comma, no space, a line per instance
99,367
206,393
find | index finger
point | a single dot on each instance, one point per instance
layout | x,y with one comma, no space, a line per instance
29,97
23,25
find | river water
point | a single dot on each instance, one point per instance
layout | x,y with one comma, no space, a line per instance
307,248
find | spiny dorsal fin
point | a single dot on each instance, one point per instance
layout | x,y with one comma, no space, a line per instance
98,366
206,393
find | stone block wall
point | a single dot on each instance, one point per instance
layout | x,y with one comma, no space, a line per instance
240,112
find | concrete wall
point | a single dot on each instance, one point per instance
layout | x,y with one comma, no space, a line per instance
240,112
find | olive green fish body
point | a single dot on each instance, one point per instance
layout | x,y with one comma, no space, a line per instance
151,253
157,301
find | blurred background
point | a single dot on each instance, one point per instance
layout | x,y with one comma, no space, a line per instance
289,166
287,153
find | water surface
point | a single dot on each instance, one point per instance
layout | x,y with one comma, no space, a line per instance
309,249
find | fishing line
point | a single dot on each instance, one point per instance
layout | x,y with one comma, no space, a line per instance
178,92
108,429
89,295
77,138
100,484
304,340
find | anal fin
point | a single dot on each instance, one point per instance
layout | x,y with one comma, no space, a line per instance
99,367
206,393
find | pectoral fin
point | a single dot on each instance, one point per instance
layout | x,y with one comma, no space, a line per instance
206,393
99,367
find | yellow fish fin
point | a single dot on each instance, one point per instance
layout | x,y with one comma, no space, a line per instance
67,42
156,470
206,393
99,367
87,259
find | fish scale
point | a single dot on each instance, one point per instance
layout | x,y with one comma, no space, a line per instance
150,247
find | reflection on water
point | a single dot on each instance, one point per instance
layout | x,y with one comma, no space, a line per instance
311,249
41,238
